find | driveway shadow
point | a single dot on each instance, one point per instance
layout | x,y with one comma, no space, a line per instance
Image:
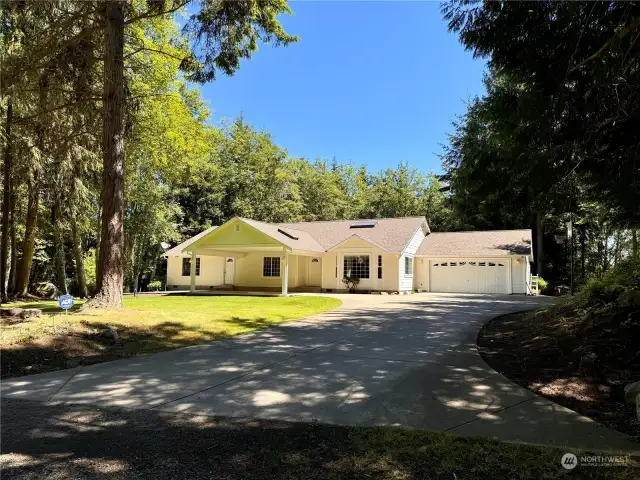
409,362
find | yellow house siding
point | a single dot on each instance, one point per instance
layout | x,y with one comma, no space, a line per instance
421,273
211,272
389,272
249,271
228,236
293,271
519,274
389,279
329,279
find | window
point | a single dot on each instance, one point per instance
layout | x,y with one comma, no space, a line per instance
379,266
408,266
491,264
271,267
482,264
186,267
356,266
444,264
453,264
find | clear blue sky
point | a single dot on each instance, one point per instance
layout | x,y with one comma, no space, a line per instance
369,83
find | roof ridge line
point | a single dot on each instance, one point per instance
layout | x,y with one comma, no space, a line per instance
488,231
349,220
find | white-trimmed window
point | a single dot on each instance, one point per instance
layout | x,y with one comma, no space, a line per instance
271,267
186,267
408,266
356,266
379,267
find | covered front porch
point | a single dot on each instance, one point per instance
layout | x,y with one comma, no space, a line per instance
266,271
250,260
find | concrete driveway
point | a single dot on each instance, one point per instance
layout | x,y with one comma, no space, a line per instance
377,360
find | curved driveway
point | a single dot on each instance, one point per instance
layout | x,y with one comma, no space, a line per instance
405,360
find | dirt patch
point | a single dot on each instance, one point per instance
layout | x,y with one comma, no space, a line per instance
72,345
577,356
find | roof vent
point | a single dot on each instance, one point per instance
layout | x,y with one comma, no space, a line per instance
364,224
287,234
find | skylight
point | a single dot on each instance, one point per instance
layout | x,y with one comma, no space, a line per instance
364,224
284,232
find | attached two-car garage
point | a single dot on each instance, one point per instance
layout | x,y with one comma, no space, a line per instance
469,275
475,262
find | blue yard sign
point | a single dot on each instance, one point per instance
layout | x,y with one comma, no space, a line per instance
65,301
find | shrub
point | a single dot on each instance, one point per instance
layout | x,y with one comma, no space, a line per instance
542,283
625,276
155,285
351,282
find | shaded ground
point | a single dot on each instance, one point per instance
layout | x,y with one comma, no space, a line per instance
576,356
56,341
406,361
70,441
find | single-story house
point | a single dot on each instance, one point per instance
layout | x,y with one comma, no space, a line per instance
387,255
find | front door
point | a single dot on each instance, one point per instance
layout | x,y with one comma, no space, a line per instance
229,270
315,272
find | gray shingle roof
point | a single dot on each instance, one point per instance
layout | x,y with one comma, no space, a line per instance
298,239
178,250
391,234
477,244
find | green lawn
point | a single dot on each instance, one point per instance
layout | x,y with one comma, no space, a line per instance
147,324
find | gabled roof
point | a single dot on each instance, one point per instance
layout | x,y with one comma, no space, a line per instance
391,234
292,238
178,250
477,244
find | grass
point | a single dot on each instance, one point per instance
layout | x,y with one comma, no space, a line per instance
146,325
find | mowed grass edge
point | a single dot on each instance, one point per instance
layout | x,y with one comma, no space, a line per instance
145,325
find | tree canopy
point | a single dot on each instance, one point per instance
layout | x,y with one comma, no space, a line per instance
555,134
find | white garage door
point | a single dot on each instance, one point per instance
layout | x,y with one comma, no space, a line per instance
469,276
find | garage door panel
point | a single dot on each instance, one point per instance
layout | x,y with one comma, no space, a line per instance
469,276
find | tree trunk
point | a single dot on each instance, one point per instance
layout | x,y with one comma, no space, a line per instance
33,195
540,241
583,240
8,163
634,243
110,281
14,243
79,261
98,244
29,242
58,240
605,251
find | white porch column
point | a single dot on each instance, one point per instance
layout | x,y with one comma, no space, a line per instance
284,272
193,271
